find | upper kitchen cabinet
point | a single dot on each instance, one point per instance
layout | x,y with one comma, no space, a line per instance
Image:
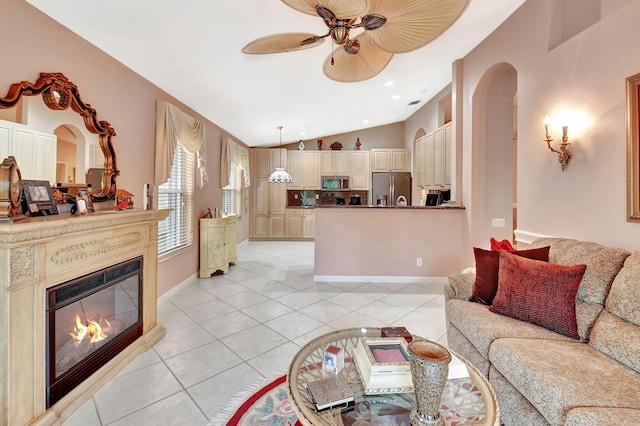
433,159
265,160
304,168
35,151
335,163
390,160
360,177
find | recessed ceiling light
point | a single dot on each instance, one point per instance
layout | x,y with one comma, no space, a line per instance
394,97
388,83
365,121
303,133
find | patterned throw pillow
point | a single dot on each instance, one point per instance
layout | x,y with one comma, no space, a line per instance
487,264
538,292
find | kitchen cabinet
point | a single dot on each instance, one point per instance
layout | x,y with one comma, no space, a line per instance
265,160
434,170
360,177
268,205
35,151
217,245
304,168
335,163
300,223
390,160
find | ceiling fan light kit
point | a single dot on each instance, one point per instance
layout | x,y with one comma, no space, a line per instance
390,26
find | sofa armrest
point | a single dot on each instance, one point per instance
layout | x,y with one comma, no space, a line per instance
602,416
460,286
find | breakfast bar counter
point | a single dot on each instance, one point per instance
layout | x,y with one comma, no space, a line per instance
389,243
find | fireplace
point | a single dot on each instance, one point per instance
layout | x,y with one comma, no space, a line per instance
90,319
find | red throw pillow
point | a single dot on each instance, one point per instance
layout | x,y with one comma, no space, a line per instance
539,292
501,245
487,264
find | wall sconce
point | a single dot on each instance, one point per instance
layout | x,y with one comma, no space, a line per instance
564,155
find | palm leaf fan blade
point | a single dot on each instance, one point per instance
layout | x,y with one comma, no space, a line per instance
277,43
343,9
412,24
348,68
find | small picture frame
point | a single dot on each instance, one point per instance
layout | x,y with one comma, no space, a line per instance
85,197
333,359
37,198
82,206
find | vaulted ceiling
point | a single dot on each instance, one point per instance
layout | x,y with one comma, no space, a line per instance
192,50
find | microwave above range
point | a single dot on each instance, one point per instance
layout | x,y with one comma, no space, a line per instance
335,183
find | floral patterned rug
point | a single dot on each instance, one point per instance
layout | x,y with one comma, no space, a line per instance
265,403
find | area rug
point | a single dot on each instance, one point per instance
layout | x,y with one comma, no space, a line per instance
264,403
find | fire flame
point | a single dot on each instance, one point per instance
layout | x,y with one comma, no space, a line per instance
94,330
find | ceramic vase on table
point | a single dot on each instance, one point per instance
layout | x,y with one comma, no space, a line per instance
429,363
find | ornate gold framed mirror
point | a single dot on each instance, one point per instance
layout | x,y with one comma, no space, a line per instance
633,148
58,93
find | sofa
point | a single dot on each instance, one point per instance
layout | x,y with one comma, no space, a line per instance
542,377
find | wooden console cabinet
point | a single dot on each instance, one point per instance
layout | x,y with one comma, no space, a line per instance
218,246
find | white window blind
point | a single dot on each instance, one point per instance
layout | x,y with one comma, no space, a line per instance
231,193
176,231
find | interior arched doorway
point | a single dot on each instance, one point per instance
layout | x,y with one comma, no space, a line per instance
494,165
71,153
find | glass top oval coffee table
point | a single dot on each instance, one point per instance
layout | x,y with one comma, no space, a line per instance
467,400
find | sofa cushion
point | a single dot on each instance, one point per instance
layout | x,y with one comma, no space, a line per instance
481,326
556,376
538,292
487,266
624,297
617,338
603,264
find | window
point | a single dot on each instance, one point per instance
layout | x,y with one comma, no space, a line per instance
176,231
231,194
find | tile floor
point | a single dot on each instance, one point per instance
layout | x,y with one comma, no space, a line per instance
228,331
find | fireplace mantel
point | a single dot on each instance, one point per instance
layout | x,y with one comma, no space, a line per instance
38,253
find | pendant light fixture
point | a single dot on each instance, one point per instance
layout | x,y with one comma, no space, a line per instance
280,175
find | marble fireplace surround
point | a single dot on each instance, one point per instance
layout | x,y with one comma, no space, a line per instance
38,253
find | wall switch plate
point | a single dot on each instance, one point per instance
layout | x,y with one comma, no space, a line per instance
498,222
418,261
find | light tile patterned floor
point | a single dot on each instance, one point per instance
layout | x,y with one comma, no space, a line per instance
228,331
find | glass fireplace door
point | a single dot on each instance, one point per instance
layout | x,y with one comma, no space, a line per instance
90,320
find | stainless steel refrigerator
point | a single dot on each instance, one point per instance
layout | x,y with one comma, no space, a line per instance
389,186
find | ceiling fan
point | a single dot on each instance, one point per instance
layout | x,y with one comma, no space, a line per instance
388,27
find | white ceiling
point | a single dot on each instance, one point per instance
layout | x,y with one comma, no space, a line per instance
191,49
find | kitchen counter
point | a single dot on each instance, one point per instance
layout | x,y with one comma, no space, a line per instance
440,207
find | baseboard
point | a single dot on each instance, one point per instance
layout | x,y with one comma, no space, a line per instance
378,279
177,288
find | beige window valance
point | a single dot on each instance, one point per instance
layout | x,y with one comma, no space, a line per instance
173,125
233,153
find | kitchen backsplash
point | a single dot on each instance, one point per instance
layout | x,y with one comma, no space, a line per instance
297,198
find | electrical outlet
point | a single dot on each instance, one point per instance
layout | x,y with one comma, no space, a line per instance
498,222
418,261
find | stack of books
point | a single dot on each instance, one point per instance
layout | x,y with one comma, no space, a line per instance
329,393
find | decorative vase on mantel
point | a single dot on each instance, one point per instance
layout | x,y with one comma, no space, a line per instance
429,362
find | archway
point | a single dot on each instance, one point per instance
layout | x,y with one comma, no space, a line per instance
493,183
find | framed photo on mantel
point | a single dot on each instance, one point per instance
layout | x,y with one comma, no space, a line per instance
37,198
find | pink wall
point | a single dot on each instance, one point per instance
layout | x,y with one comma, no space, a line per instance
121,97
583,76
351,242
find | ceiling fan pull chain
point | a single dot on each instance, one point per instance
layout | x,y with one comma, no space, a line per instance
332,48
